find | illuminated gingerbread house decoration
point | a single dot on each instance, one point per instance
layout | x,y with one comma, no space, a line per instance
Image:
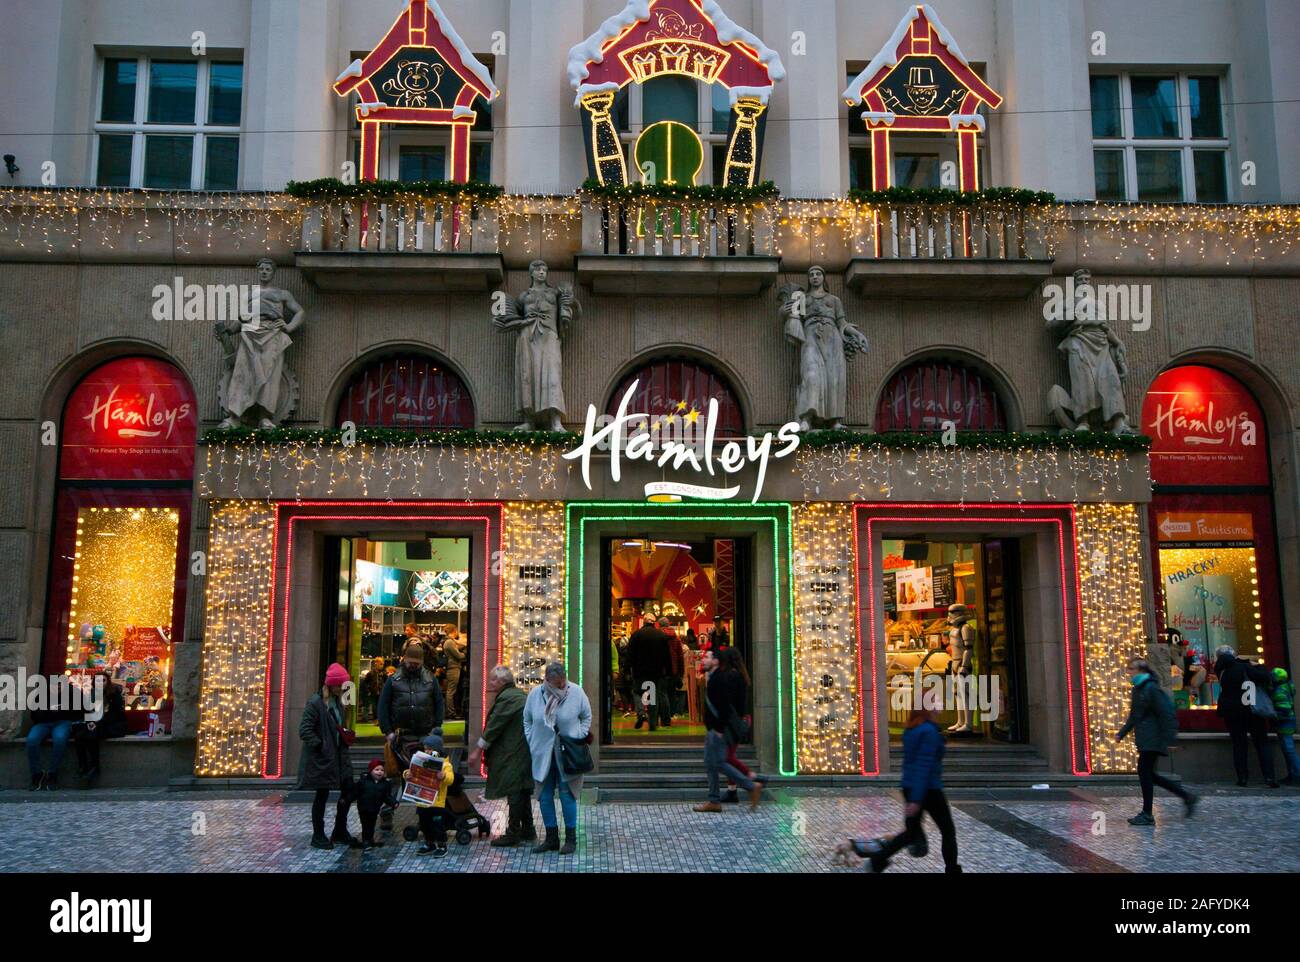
691,38
421,72
921,82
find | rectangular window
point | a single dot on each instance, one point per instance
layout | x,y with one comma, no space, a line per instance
1106,121
916,170
720,100
860,167
181,132
1159,138
1159,176
1155,108
480,161
422,162
117,105
1211,175
670,97
1109,168
221,170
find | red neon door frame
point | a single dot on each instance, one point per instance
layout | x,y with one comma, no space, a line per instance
1061,518
488,514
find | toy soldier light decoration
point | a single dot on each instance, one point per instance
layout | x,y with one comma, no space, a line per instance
1097,363
541,315
815,323
256,386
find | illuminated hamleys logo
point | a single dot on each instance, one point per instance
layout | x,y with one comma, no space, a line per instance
1210,428
141,416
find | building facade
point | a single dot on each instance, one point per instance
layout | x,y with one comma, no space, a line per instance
934,388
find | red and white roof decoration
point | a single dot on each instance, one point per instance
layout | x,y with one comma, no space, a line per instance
421,23
920,27
750,70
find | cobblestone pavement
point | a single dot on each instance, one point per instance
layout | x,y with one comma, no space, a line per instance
201,832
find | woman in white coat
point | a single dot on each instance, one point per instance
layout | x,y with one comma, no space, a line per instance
556,706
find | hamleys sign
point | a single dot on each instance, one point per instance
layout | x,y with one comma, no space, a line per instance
1205,428
130,419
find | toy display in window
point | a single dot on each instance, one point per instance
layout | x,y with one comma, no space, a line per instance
961,646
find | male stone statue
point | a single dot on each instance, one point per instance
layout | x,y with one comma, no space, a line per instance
541,316
256,386
815,323
1097,364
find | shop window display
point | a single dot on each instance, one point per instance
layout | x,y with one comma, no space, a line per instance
948,617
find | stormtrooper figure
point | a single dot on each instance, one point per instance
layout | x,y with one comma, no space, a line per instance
961,646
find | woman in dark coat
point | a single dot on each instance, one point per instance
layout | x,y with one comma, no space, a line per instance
509,761
86,736
1154,725
325,765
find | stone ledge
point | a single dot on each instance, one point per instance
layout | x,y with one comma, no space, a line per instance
947,279
377,272
683,275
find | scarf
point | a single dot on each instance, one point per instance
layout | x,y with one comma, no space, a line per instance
554,698
1138,679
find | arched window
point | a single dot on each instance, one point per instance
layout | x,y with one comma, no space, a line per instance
407,391
676,387
922,396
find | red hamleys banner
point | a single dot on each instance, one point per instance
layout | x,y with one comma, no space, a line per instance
133,419
1205,428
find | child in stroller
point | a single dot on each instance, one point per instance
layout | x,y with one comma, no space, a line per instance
450,807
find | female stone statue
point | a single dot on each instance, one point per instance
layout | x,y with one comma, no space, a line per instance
815,323
541,315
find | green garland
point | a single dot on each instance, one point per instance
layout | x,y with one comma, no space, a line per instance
945,197
700,193
331,188
391,436
998,440
1001,440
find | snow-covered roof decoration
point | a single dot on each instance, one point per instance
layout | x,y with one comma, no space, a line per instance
919,34
648,38
415,27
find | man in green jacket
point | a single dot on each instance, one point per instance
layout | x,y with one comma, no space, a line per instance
509,762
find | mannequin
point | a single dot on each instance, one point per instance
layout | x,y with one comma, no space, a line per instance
961,647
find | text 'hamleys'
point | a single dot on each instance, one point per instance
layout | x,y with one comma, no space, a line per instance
135,417
1212,428
701,453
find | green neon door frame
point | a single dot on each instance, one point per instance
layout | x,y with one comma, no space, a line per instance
776,513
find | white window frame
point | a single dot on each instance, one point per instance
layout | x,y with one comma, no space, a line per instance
703,126
1185,143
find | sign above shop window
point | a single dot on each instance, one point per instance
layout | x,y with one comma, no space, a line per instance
133,419
1206,429
409,392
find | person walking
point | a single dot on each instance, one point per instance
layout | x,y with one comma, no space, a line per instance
1284,704
667,690
730,659
1237,708
923,749
325,766
372,685
509,763
724,702
1154,724
647,653
554,710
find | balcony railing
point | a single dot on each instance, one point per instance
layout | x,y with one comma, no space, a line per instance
662,229
423,227
906,231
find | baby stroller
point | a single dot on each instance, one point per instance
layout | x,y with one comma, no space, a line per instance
461,815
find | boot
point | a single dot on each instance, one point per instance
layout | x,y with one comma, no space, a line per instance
570,841
320,840
38,779
549,844
526,831
509,840
344,837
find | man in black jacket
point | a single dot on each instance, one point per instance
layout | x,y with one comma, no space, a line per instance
1240,684
412,700
647,655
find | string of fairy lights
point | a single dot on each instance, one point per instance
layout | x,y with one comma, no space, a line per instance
825,638
68,219
876,471
419,468
1110,593
236,621
532,578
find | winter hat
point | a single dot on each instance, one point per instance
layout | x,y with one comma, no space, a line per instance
433,742
336,675
374,763
1279,675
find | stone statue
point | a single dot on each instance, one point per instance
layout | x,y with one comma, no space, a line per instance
541,315
1098,366
256,386
815,323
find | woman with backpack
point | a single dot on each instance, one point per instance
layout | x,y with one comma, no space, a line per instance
1154,725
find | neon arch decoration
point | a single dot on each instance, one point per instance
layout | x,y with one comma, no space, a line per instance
421,72
655,38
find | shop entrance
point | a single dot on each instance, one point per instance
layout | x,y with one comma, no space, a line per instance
699,590
379,594
953,605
